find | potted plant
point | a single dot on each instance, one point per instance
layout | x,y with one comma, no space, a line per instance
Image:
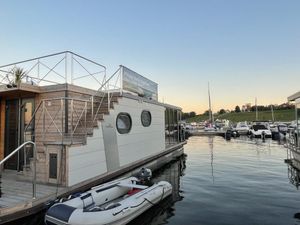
19,74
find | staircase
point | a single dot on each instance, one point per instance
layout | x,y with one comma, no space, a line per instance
62,122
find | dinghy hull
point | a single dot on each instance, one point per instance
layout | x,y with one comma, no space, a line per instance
117,212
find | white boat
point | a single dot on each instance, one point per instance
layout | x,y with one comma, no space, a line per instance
116,202
242,128
260,130
210,128
279,131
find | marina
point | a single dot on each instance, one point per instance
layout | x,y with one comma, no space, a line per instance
156,113
63,139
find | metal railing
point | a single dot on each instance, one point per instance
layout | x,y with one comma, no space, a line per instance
58,68
65,67
60,119
112,85
34,162
293,140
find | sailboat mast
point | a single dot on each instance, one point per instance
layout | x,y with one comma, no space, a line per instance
272,113
256,114
211,118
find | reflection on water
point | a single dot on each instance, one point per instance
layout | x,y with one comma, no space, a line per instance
211,147
294,176
294,172
160,213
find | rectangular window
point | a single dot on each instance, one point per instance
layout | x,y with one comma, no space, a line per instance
52,165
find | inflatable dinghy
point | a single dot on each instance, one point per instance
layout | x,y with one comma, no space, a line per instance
117,202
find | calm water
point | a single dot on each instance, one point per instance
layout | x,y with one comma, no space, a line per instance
240,181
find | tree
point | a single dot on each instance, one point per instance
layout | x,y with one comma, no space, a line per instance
192,114
237,109
206,113
222,111
185,116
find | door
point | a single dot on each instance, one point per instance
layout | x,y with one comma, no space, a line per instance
17,127
27,129
11,132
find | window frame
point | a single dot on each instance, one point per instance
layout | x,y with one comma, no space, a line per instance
149,113
130,120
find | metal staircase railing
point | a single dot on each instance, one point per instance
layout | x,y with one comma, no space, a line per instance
34,169
112,85
60,119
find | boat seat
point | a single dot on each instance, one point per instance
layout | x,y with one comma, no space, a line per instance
87,204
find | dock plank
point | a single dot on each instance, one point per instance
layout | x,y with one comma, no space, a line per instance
16,191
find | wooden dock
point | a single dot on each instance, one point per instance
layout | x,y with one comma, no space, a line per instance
15,191
16,200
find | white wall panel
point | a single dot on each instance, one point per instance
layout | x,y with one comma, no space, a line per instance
141,141
87,161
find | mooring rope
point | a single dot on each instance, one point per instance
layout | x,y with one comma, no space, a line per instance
145,200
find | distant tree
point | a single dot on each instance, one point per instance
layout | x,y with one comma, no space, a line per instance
206,113
185,116
192,114
237,109
222,111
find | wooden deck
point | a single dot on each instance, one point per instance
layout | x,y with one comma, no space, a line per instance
16,191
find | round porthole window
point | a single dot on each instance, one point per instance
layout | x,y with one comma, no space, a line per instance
146,118
124,123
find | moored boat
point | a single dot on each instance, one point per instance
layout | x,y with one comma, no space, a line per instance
279,131
260,130
116,202
242,128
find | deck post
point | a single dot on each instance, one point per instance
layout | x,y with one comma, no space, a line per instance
66,67
85,113
34,172
72,119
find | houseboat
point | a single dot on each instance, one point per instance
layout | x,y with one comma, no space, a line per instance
293,142
65,126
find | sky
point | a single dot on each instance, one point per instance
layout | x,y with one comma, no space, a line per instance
244,49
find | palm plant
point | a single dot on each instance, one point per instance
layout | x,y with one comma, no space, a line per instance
19,74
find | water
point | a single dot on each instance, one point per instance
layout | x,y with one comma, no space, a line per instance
241,181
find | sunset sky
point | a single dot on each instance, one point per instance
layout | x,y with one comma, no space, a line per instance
244,49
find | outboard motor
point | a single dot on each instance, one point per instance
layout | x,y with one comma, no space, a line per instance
144,174
228,134
235,134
